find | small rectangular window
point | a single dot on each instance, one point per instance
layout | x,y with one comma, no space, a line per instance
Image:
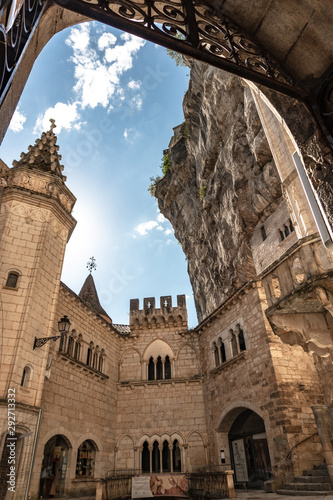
263,233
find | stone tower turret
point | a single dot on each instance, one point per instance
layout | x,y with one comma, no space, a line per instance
35,225
164,317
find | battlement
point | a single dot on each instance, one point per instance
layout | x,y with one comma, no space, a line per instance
165,316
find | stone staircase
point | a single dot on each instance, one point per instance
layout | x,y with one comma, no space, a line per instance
314,482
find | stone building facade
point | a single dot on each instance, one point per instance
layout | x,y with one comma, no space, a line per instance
153,396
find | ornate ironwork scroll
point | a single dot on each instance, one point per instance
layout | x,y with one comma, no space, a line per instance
42,341
193,29
18,19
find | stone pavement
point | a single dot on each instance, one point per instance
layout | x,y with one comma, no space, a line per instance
242,495
262,495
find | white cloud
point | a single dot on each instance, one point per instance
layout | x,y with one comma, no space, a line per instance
157,224
98,75
65,115
131,134
144,227
161,218
136,102
17,121
134,85
106,40
98,68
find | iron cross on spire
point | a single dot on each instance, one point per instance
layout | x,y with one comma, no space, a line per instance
91,264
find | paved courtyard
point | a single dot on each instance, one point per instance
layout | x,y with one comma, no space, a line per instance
244,495
262,495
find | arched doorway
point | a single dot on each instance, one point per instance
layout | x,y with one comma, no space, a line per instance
249,449
54,467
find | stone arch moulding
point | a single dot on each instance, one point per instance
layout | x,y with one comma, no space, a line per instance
186,344
123,437
89,437
61,431
204,440
129,349
233,410
166,349
142,439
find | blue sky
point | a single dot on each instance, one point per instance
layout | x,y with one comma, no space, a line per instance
115,99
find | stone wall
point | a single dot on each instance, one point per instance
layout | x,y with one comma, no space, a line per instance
277,382
165,408
79,402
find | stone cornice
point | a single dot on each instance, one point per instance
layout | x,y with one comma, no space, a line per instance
39,201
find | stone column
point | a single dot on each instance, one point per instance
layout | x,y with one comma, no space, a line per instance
155,363
171,457
237,342
324,420
183,454
150,448
163,368
160,448
115,457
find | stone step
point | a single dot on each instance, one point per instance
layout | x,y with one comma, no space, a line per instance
308,486
316,472
320,467
294,493
312,479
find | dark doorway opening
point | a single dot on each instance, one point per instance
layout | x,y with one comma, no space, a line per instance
249,450
54,467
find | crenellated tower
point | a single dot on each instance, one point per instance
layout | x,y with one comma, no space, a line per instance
165,316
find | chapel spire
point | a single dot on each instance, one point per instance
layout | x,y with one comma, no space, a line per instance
43,155
88,294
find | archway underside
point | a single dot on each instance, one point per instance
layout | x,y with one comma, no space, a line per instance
190,27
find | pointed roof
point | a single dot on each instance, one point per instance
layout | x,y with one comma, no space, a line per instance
89,295
43,154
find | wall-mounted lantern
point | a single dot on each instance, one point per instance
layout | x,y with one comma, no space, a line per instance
63,327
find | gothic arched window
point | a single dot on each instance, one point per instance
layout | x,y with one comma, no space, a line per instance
145,457
70,346
156,458
151,369
63,341
241,339
176,457
95,359
159,369
222,352
89,356
216,355
77,350
167,367
165,457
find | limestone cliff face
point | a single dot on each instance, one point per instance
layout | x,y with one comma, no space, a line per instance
222,180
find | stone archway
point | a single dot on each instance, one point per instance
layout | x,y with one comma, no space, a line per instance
244,432
54,467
